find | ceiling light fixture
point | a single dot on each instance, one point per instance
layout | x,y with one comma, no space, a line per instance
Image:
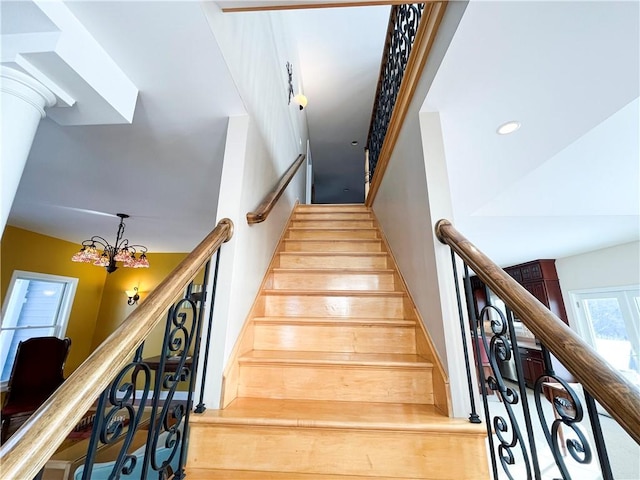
120,251
354,143
507,128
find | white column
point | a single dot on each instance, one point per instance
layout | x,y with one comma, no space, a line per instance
22,101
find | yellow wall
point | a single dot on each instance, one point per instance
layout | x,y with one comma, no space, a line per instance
32,252
114,308
100,303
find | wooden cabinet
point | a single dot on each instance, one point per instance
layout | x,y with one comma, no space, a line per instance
532,365
539,278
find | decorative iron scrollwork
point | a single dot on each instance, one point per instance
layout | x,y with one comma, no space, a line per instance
406,20
568,412
119,415
565,402
500,348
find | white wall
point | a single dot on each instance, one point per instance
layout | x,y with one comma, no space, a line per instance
413,196
609,267
259,148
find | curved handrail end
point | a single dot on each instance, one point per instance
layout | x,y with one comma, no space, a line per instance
443,222
229,223
253,218
262,211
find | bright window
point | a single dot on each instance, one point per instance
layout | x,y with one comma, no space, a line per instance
36,305
609,320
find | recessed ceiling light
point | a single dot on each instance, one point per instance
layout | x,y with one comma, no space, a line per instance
509,127
345,189
354,143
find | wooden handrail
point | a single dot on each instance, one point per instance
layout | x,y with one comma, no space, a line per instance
616,394
262,212
26,452
425,36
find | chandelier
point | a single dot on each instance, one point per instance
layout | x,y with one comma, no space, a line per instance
120,251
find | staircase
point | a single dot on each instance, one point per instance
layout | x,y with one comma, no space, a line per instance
333,376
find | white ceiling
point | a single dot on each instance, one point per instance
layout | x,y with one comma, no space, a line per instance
562,70
569,180
163,169
340,50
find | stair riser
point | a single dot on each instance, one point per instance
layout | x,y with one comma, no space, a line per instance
334,451
322,261
326,338
332,216
332,246
333,306
337,383
333,281
334,224
332,208
355,234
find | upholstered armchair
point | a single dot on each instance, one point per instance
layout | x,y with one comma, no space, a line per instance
37,372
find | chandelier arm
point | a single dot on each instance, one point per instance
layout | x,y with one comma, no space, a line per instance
96,239
135,248
113,253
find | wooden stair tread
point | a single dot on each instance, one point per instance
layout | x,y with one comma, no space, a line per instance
339,271
337,321
339,240
336,293
211,474
295,357
330,205
323,414
337,254
340,224
312,228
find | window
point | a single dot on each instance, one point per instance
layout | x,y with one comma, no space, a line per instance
609,320
36,305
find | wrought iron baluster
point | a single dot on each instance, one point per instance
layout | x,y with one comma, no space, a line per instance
596,428
500,347
200,408
119,415
476,323
108,427
196,354
511,433
569,412
473,416
406,20
171,419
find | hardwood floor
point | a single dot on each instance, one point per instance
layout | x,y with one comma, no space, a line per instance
333,376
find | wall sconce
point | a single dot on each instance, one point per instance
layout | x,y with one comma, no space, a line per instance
133,296
301,100
196,293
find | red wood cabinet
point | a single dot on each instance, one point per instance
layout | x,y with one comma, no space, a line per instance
539,278
532,365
